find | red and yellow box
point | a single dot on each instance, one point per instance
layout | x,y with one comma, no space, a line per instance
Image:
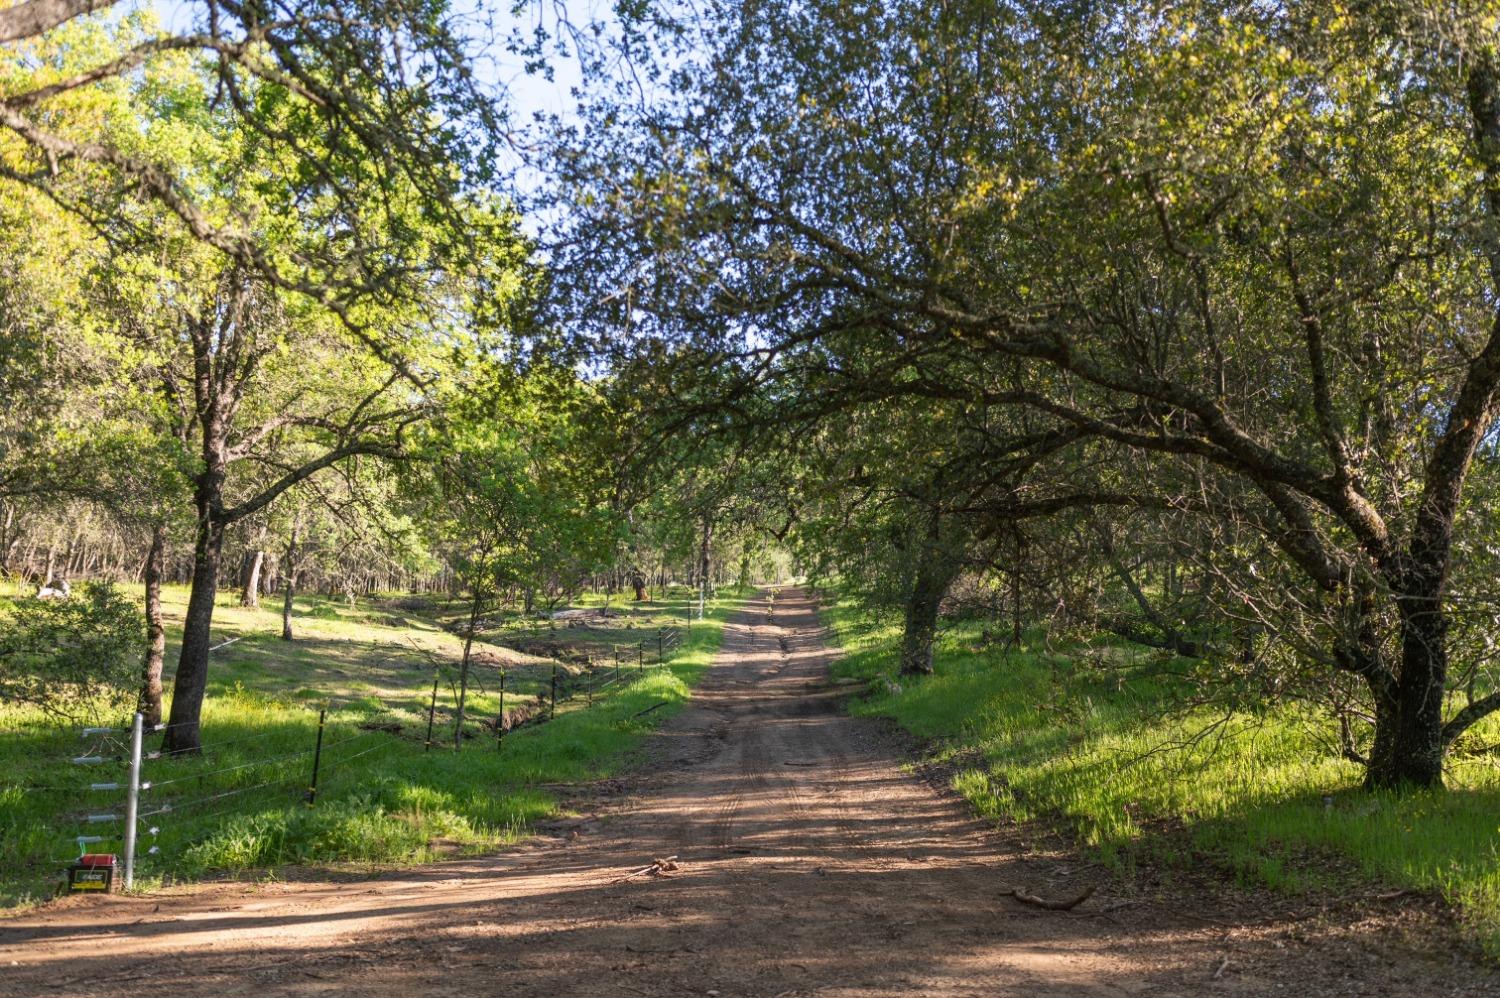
94,871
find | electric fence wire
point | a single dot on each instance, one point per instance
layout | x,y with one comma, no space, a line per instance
104,748
158,728
249,765
179,807
235,794
209,747
153,785
241,807
230,769
214,746
334,766
287,801
85,788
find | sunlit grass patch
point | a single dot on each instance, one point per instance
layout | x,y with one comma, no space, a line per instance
382,798
1098,742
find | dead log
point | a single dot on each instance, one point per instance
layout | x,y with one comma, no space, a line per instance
1024,895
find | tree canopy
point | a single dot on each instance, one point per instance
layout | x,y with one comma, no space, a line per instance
1177,322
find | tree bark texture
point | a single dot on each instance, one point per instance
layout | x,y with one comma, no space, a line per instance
149,700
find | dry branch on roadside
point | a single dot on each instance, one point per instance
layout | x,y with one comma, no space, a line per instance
1024,895
656,868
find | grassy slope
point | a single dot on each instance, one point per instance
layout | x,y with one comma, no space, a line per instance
382,798
1081,737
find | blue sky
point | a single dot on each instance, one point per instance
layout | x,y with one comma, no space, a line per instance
529,93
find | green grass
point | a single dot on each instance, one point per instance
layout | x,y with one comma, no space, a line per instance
1088,739
382,799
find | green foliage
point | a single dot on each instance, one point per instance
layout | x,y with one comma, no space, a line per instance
379,134
1229,267
72,658
514,493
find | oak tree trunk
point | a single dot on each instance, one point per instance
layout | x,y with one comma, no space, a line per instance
1408,747
192,664
1410,737
928,589
149,700
705,554
463,670
8,539
291,584
935,569
250,583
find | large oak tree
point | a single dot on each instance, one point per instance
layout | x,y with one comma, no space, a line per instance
1251,245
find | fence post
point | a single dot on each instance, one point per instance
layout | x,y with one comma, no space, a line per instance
431,709
661,648
133,799
500,717
617,661
640,655
312,787
552,712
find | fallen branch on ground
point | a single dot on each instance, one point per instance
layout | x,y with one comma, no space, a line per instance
1023,895
650,709
656,868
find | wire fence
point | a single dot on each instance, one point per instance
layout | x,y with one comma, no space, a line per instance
136,796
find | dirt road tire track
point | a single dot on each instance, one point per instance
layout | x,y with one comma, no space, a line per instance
811,864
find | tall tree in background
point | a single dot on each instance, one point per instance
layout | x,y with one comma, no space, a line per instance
517,498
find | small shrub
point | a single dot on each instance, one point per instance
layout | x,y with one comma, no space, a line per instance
73,658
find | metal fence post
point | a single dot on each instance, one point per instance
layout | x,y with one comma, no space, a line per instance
431,709
500,717
661,648
312,786
640,656
552,712
133,799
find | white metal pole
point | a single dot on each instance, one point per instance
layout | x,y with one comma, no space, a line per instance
133,799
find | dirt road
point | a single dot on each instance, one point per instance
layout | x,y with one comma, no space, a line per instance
809,863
